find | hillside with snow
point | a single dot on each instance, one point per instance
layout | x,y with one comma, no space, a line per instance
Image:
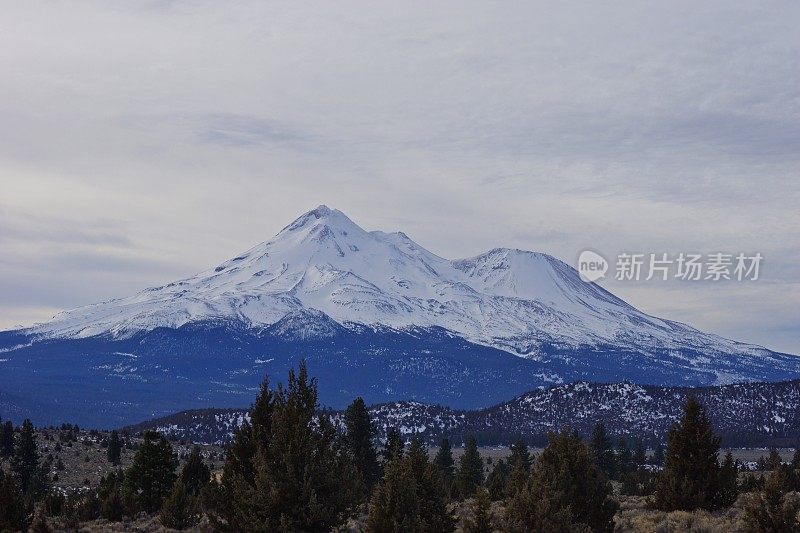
752,414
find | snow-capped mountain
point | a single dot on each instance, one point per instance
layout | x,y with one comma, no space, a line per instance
374,314
323,262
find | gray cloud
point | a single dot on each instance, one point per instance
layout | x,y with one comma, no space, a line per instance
35,228
238,130
148,141
90,262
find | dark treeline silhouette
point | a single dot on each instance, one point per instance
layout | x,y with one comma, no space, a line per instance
290,469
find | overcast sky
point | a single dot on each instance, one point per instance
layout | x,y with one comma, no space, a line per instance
141,142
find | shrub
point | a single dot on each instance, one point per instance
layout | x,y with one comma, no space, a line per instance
565,492
411,497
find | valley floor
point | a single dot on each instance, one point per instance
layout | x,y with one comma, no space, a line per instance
84,461
745,455
633,517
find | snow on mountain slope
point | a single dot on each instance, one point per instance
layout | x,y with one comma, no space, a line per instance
323,263
753,414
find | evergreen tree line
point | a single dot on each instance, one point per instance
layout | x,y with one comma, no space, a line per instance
25,482
694,478
289,469
565,488
149,485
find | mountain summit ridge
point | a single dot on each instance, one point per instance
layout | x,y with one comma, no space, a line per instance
515,300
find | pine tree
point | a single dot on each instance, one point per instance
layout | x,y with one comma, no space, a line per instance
410,497
794,471
469,475
517,477
14,512
395,503
639,454
431,489
602,450
444,460
623,458
112,508
359,436
7,440
520,468
290,470
39,523
25,461
497,480
195,473
418,455
239,471
81,507
728,484
639,482
691,469
393,447
658,455
250,437
480,520
114,450
151,475
520,455
774,460
179,510
775,509
527,512
566,491
109,492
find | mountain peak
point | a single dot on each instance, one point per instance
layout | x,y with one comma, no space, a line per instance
381,313
321,216
515,300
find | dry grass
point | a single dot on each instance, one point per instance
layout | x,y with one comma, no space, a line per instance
142,524
86,460
634,516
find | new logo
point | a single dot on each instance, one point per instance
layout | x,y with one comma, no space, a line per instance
591,266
